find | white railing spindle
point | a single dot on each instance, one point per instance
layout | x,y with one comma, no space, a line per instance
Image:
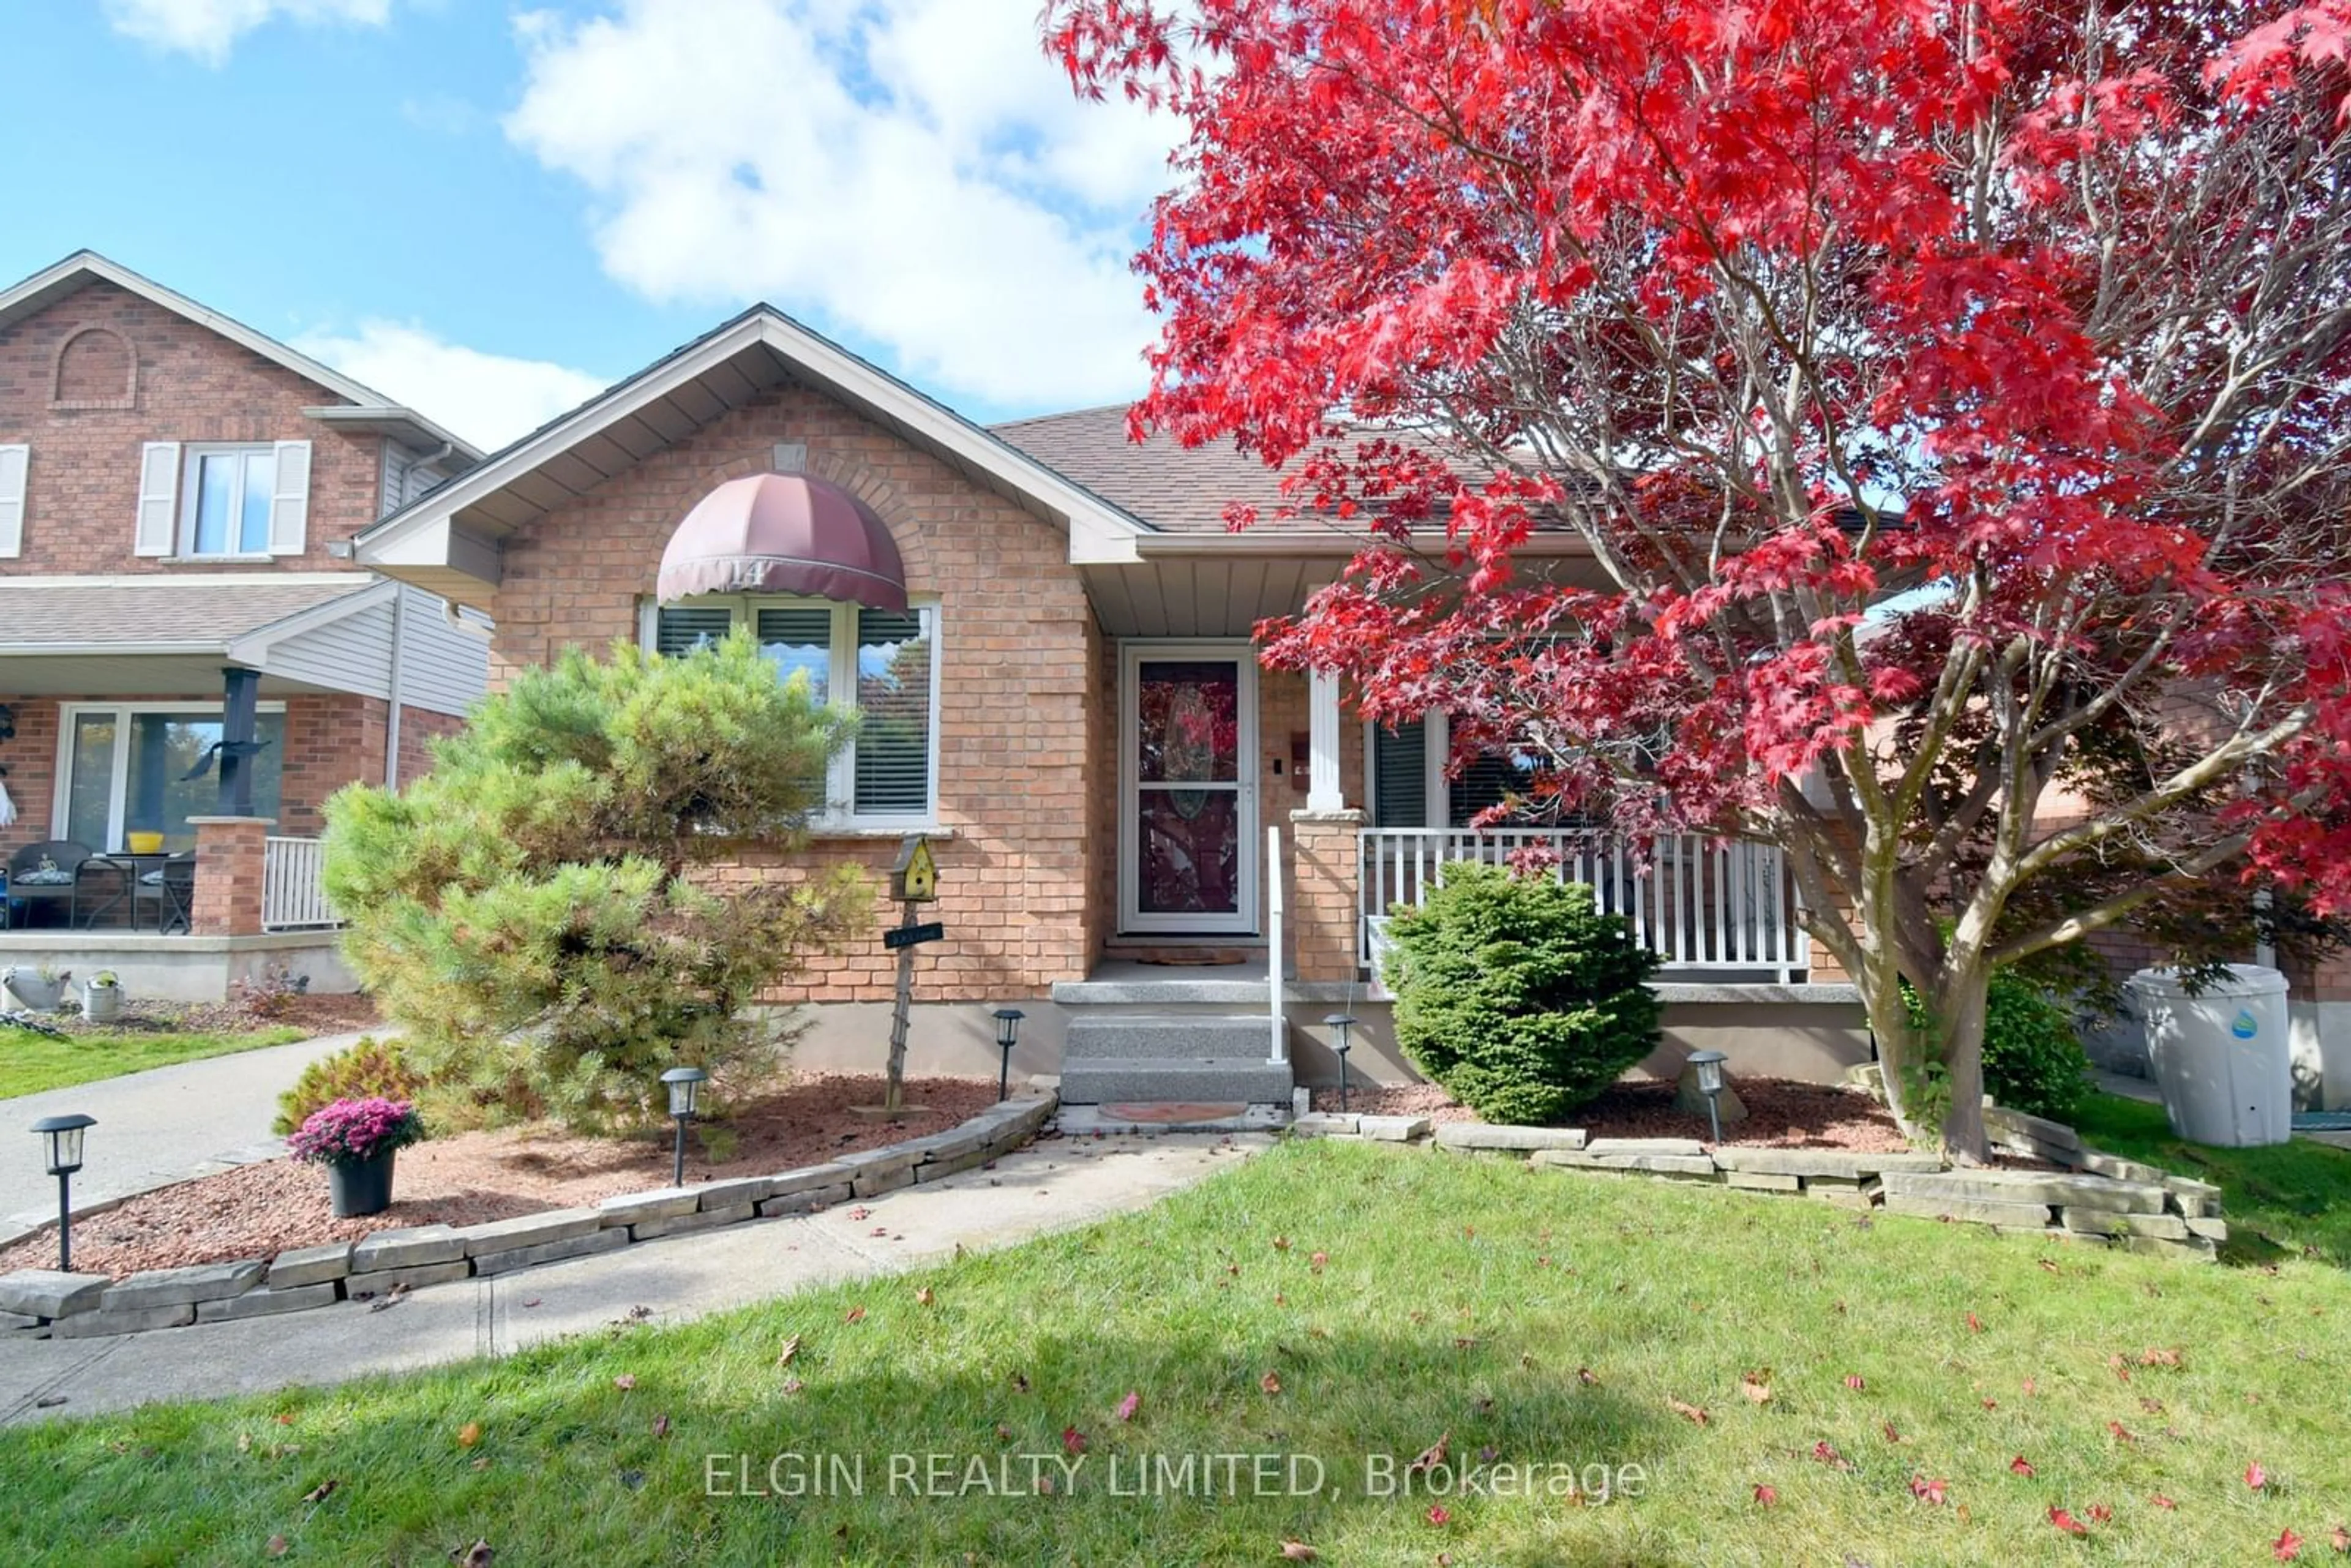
293,885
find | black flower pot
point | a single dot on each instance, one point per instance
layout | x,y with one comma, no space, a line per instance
362,1186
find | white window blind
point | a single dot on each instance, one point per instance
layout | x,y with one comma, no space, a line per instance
877,662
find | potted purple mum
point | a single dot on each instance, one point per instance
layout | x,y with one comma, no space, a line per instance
356,1140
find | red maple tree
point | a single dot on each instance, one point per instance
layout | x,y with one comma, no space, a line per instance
1914,434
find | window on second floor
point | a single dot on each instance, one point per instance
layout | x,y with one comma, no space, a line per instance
226,498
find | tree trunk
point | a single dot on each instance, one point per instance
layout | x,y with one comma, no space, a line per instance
1959,1004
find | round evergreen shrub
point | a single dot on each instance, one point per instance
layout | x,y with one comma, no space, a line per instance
2032,1057
1517,995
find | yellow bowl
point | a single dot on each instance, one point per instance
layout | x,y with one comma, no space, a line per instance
143,843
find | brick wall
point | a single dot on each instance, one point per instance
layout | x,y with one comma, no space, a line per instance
190,384
31,760
1022,749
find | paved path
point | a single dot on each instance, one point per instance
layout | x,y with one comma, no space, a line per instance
153,1128
1047,1186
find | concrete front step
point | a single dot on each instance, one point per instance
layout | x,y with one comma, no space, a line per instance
1162,1037
1248,1080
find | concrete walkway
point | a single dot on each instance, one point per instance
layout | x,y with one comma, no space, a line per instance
154,1128
1050,1186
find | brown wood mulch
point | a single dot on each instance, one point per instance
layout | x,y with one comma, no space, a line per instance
258,1210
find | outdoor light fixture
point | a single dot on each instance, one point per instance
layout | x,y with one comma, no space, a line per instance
1341,1023
1710,1083
1007,1030
63,1158
684,1093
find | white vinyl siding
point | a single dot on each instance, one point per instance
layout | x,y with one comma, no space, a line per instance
15,460
350,653
882,663
159,497
443,668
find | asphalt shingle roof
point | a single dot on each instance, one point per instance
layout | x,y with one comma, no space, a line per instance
164,614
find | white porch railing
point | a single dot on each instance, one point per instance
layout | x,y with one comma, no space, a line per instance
1700,906
293,895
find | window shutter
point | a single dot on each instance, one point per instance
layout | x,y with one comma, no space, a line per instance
14,460
159,497
290,505
1400,775
677,632
894,672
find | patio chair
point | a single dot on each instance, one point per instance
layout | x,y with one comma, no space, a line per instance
170,890
41,876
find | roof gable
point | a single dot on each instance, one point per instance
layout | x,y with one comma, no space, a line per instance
448,541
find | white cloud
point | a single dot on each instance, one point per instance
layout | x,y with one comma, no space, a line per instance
915,172
489,399
208,29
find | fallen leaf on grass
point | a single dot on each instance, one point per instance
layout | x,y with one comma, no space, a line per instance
478,1555
2341,1538
2257,1478
2162,1501
469,1434
2020,1465
1072,1440
1766,1497
792,1348
1853,1380
1689,1413
1438,1515
1825,1452
1975,1324
1431,1456
856,1315
2120,1433
922,1296
2101,1514
661,1426
322,1491
1891,1435
1281,1244
1930,1491
1317,1260
276,1546
1586,1376
2287,1547
625,1382
1270,1383
1755,1386
1129,1405
2067,1522
483,1463
286,1418
1296,1551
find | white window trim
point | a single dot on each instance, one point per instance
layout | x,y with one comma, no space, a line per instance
184,527
70,717
839,816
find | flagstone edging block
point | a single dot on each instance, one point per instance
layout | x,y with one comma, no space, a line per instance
43,1304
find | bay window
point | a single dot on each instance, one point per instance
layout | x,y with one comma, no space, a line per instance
879,663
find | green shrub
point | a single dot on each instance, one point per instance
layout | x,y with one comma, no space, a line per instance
367,1069
2032,1057
1516,995
533,913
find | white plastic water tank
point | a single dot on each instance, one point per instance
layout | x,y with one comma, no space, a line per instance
2222,1058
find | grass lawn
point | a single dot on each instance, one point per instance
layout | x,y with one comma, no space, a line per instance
2287,1200
1335,1302
32,1062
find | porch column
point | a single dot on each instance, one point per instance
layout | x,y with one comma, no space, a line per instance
1322,791
232,857
1324,911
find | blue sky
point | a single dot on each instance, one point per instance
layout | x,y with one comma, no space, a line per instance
488,210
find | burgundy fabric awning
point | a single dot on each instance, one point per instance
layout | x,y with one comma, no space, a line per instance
784,533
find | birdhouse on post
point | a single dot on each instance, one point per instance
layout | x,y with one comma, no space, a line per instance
915,878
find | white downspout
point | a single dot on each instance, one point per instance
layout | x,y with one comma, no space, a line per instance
391,725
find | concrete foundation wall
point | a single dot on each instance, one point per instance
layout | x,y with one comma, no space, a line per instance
180,968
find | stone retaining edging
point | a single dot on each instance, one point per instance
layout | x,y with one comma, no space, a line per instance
2097,1198
45,1303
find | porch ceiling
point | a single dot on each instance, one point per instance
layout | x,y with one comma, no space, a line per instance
1209,596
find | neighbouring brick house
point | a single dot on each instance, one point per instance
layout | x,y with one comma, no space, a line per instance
1046,629
178,498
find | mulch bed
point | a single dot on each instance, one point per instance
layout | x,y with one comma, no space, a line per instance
1780,1113
312,1014
261,1209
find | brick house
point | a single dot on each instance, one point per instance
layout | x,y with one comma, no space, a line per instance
1048,632
184,635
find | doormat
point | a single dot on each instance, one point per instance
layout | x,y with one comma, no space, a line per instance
1163,1110
1191,957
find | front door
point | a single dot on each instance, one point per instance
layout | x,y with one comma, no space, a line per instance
1187,816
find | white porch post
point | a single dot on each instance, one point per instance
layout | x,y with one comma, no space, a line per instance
1322,791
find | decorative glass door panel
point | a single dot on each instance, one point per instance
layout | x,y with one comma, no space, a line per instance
1189,823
